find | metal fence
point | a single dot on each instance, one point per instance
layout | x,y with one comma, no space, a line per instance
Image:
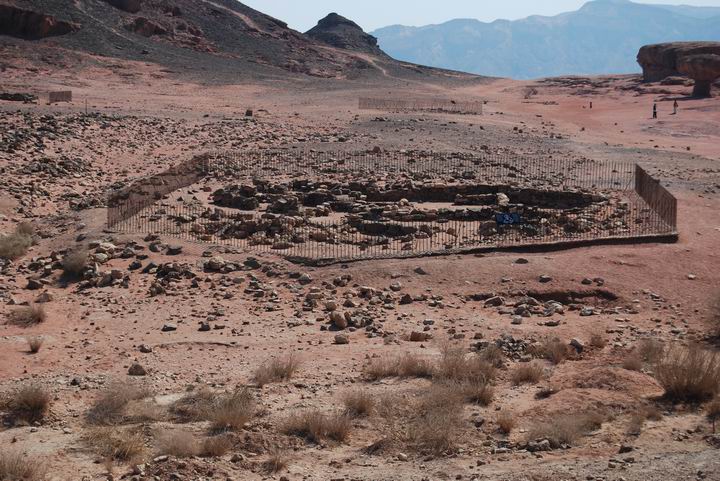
431,104
333,206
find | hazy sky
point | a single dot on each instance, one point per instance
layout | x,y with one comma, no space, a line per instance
372,14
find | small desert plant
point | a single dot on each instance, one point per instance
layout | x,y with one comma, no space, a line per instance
231,410
598,341
109,408
358,403
436,427
566,429
215,446
637,420
530,373
180,444
454,365
34,344
713,412
650,350
117,444
74,263
29,403
277,461
493,355
15,245
477,391
689,374
27,316
315,426
554,350
405,366
18,466
276,370
505,422
633,362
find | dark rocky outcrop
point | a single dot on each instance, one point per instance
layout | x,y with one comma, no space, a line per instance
30,25
130,6
704,69
660,61
340,32
146,27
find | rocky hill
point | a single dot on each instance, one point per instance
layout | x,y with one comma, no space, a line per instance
214,40
602,37
340,32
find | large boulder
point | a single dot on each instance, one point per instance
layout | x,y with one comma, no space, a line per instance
29,25
660,61
704,69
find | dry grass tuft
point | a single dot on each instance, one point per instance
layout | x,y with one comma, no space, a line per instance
436,428
28,404
406,366
506,422
277,461
454,365
226,411
633,362
477,392
14,246
358,403
18,466
637,420
126,445
276,370
215,446
109,408
316,427
530,373
34,344
181,444
566,429
27,316
689,374
713,412
651,350
554,350
493,355
74,263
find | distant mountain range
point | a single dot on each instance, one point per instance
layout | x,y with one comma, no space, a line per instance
602,37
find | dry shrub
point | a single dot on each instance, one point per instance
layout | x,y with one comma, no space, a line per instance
13,246
713,412
276,370
598,341
215,446
436,428
226,411
493,355
633,362
650,350
478,392
358,403
637,420
117,444
405,366
143,411
506,422
34,344
554,350
530,373
74,263
315,426
277,461
181,444
28,404
689,374
566,429
18,466
27,316
454,365
110,407
26,229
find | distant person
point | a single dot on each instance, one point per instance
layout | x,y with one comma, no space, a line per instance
675,107
654,111
590,105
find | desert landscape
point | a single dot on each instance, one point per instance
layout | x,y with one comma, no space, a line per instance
139,345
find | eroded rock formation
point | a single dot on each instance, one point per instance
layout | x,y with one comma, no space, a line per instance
704,69
30,25
697,60
340,32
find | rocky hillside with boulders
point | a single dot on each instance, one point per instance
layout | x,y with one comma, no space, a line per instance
223,37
